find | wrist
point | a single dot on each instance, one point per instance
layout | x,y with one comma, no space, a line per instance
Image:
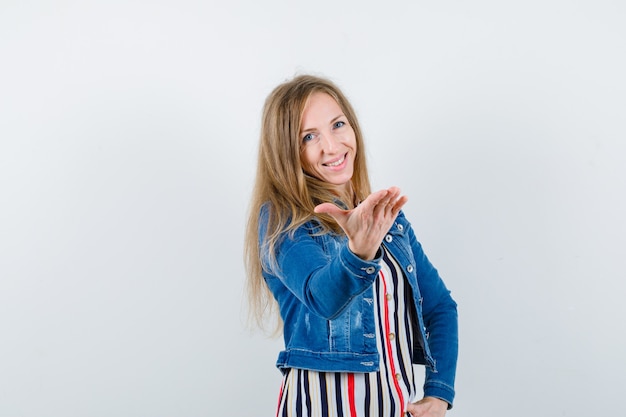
364,255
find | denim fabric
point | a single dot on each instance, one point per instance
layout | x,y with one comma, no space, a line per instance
325,297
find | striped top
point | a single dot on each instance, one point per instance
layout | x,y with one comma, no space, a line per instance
307,393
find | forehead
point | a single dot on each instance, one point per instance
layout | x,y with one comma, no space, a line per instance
320,105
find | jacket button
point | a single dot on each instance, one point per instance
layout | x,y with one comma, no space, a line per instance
388,238
370,270
400,227
409,268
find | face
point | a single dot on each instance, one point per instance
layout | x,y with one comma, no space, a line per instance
328,141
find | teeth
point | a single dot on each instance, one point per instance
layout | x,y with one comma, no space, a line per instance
336,163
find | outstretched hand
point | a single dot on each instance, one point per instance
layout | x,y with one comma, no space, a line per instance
366,225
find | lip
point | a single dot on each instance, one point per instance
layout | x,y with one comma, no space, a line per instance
341,165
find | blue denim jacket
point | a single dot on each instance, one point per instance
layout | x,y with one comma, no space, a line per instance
325,294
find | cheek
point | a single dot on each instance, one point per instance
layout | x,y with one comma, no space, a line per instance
351,140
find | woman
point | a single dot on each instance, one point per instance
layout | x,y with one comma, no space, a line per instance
359,301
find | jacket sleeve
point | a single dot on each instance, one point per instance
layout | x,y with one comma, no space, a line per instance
322,273
439,311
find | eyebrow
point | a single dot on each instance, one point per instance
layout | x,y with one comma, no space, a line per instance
333,120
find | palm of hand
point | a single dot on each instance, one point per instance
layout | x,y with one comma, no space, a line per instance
366,225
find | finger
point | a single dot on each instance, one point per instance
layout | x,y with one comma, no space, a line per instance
398,204
328,208
382,207
394,203
394,191
394,195
375,198
411,410
370,207
389,208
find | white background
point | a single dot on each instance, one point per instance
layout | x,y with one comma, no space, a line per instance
128,134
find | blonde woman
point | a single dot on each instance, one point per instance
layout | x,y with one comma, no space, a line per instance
358,299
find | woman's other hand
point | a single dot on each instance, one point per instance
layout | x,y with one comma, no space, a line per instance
428,407
366,225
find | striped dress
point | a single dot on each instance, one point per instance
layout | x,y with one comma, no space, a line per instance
307,393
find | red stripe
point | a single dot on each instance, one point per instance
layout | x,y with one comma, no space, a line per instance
280,395
388,342
351,395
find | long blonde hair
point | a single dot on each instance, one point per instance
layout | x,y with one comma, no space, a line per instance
282,185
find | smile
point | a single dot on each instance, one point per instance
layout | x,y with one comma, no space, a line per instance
337,162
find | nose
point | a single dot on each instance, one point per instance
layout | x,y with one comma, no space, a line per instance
329,143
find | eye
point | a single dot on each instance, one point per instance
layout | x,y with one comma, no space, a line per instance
308,137
339,124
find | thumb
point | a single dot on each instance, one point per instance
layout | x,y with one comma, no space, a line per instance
411,409
329,208
341,216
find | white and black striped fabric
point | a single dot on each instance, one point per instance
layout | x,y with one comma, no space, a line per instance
308,393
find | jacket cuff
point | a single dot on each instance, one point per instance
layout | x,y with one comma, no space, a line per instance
441,391
360,267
